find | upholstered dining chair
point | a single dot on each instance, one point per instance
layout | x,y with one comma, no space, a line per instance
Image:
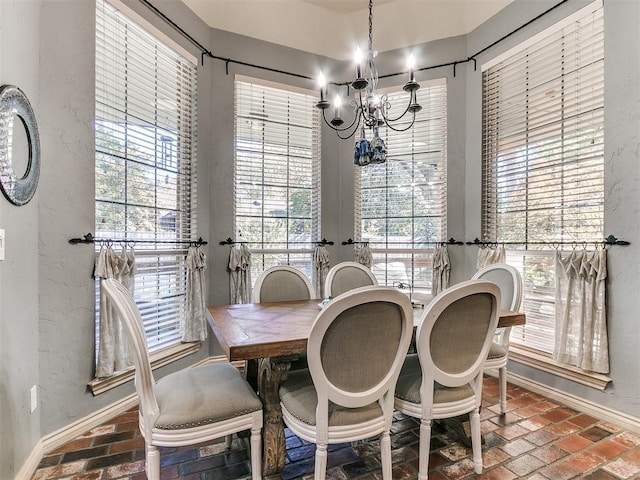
510,282
282,283
190,406
355,350
444,379
346,276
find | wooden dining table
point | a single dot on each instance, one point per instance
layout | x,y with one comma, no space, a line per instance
273,335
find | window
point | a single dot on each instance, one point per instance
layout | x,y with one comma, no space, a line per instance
400,205
145,162
277,173
543,157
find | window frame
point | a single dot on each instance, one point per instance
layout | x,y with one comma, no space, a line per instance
413,252
289,251
535,353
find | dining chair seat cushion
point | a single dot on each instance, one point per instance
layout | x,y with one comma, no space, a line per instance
298,395
408,387
203,395
497,351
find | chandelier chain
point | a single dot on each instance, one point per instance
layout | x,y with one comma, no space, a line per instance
370,25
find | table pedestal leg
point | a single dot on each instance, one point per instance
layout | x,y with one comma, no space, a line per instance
270,374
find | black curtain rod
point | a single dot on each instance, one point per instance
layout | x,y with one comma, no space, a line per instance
451,241
504,37
610,240
230,241
89,238
177,27
353,242
206,52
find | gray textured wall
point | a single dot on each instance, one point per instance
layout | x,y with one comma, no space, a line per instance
46,293
19,429
66,205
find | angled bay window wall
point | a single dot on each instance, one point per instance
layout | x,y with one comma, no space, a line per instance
543,157
145,161
277,173
400,205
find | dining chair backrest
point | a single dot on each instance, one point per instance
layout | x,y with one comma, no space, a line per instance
346,276
282,283
357,346
509,280
455,334
129,314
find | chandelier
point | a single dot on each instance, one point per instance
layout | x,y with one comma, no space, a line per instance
370,109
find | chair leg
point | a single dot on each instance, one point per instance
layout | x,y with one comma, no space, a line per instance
502,377
476,441
425,441
228,440
153,462
256,453
321,462
385,455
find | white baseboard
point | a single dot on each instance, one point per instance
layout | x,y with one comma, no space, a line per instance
616,417
58,438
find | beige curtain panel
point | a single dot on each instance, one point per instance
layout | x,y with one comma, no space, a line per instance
240,274
490,255
581,323
195,322
441,270
320,269
363,255
113,352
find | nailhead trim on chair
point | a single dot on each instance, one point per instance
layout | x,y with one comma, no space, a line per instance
297,417
203,422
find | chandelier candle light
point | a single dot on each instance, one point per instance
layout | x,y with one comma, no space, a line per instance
371,110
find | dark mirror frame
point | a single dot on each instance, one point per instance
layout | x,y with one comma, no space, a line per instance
13,102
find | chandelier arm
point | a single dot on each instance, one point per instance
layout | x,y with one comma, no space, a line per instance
385,105
401,129
387,120
356,118
350,135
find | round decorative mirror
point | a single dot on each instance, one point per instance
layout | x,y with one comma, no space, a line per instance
15,114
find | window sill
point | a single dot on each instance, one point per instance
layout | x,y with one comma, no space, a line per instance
535,359
158,359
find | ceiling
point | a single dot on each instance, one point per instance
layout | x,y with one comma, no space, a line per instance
334,28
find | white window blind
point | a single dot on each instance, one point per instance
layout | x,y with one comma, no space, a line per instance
400,205
277,173
145,131
543,156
